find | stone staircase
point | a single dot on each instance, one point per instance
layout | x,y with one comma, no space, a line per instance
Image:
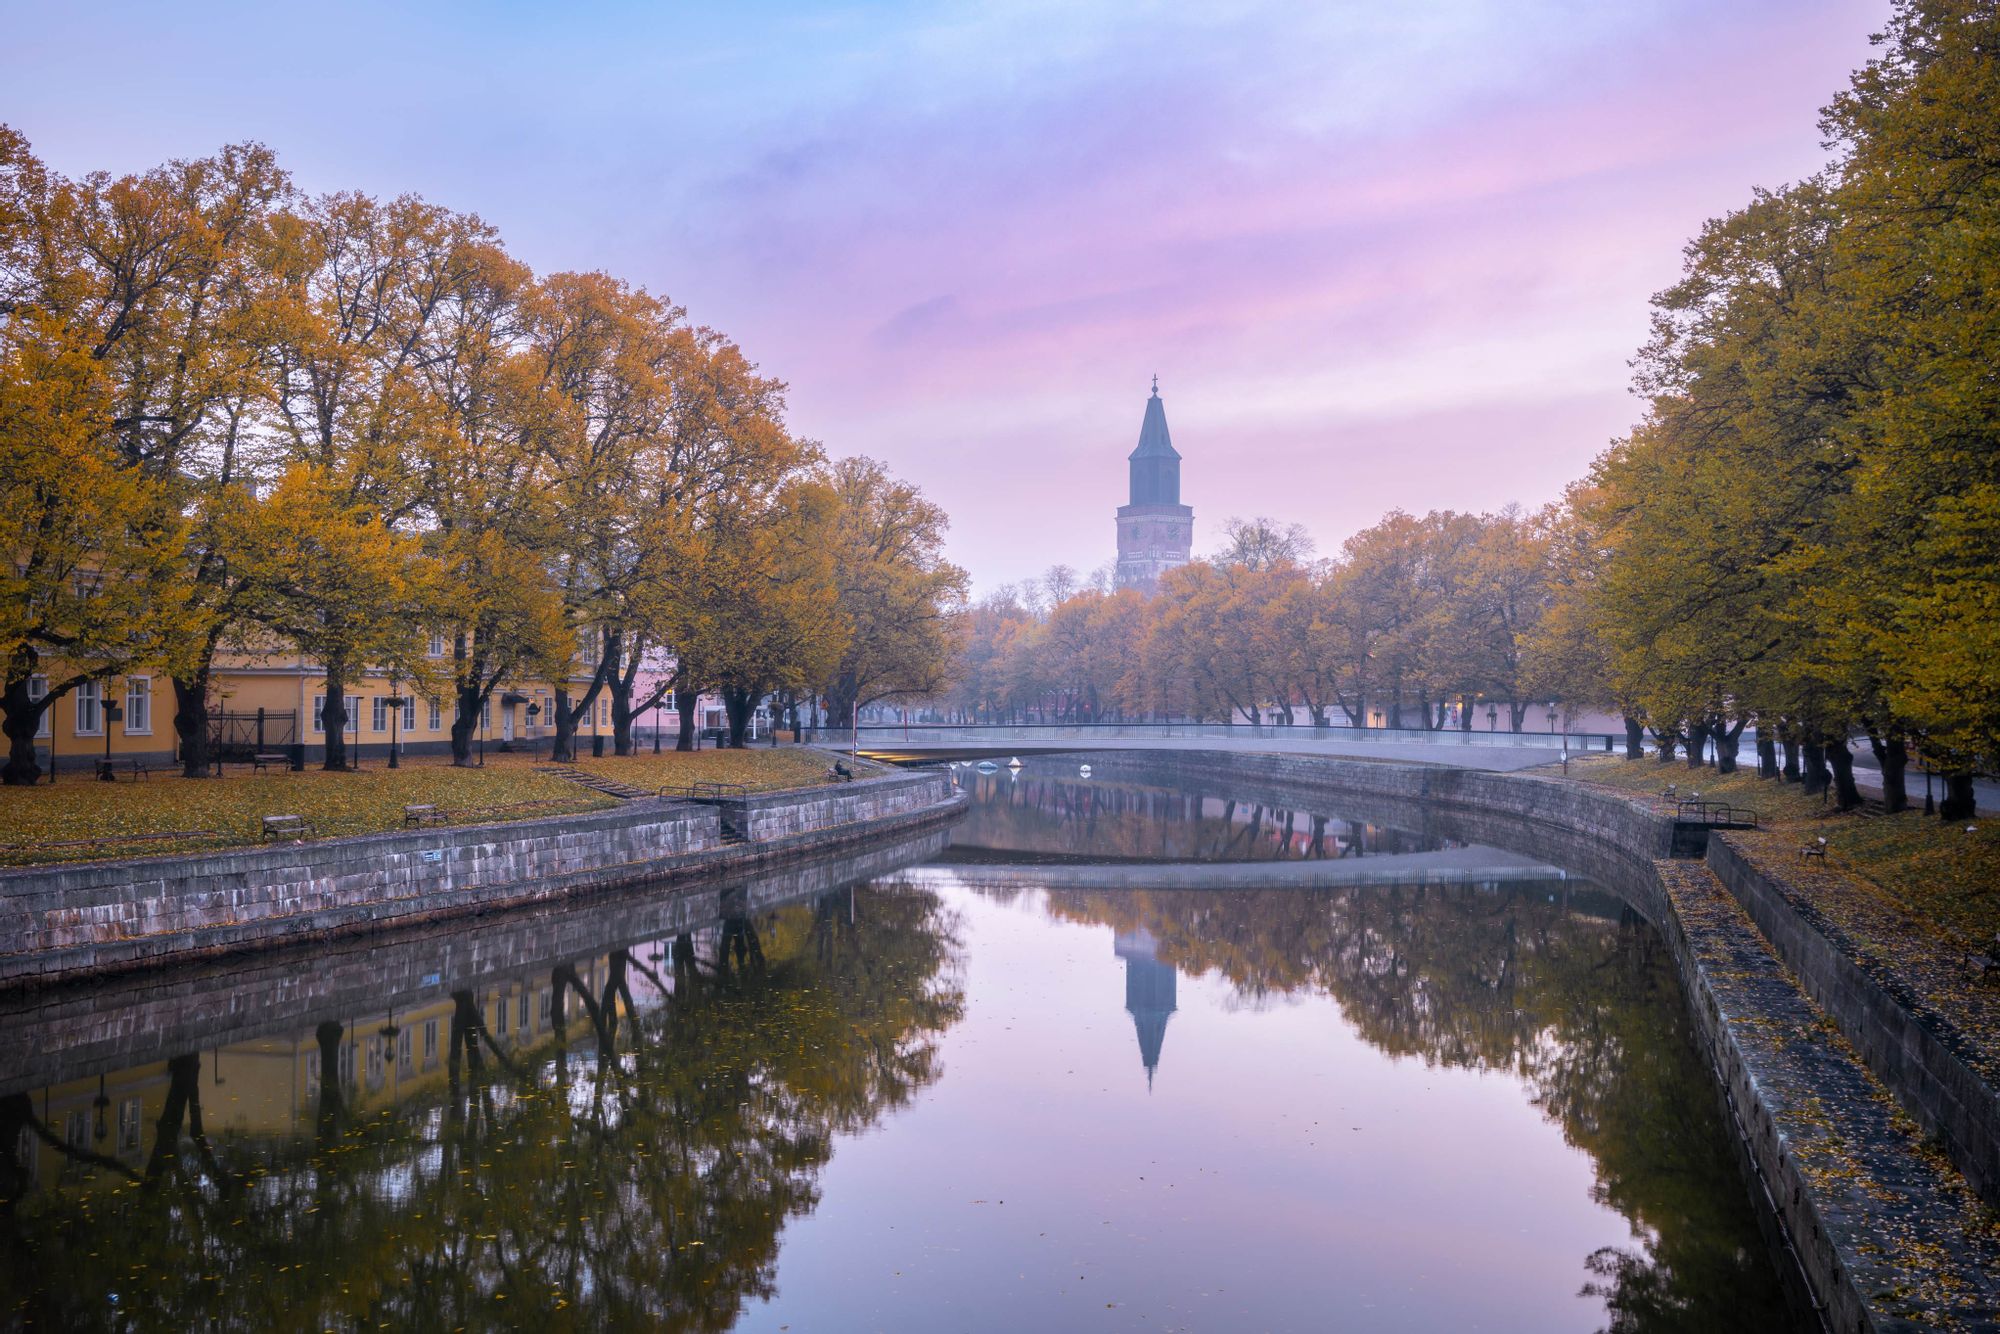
594,781
732,833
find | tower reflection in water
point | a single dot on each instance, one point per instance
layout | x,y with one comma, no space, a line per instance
1150,993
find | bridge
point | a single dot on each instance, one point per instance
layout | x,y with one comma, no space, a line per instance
1450,866
1469,750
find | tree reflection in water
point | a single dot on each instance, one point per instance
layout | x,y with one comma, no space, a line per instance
636,1173
1582,1006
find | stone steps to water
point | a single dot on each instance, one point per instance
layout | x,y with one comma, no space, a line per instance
610,787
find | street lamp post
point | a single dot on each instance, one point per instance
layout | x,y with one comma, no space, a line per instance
108,713
657,701
395,717
1552,717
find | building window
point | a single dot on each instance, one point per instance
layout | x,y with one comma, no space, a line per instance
353,714
405,1053
89,710
486,713
380,722
38,690
130,1118
409,713
603,711
437,646
437,715
138,706
430,1043
587,641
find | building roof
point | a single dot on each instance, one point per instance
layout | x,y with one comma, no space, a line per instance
1154,442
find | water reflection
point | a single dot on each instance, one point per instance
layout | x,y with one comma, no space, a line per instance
617,1142
1151,993
805,1102
1047,813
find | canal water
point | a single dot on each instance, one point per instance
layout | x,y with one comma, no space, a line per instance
1123,1055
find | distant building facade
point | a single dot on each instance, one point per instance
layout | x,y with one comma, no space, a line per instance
1155,531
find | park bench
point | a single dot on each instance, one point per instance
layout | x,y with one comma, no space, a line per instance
106,770
421,814
287,826
268,759
1816,848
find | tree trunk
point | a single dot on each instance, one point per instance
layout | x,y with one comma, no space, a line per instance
737,701
1697,744
686,700
1669,742
465,722
335,714
1846,796
1635,738
23,717
1465,713
1728,741
1961,800
1791,772
191,721
562,749
1767,754
1893,756
621,723
1517,715
1813,771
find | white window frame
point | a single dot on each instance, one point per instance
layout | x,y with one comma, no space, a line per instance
486,713
437,714
436,648
319,715
409,713
91,694
379,713
138,706
38,689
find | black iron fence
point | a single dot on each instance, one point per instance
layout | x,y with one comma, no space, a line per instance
241,736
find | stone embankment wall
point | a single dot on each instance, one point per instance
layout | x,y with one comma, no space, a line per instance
1859,1207
101,917
768,816
77,1032
1936,1072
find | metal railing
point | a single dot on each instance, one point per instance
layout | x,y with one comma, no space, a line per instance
705,790
950,734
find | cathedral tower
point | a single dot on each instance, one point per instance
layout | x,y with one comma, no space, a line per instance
1155,531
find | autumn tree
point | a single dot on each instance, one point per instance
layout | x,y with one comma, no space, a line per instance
900,597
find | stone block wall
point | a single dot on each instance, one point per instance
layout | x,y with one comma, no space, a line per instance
76,1032
1934,1070
768,816
103,914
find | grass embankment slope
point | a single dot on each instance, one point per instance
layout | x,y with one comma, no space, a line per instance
1915,864
227,812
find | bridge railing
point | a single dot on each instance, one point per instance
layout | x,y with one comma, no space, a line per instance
959,734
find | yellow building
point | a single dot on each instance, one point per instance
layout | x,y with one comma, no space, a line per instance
269,1088
271,702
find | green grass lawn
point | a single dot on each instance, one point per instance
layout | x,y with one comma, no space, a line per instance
1932,870
214,813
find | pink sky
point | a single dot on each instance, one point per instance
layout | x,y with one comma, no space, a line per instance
1380,256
